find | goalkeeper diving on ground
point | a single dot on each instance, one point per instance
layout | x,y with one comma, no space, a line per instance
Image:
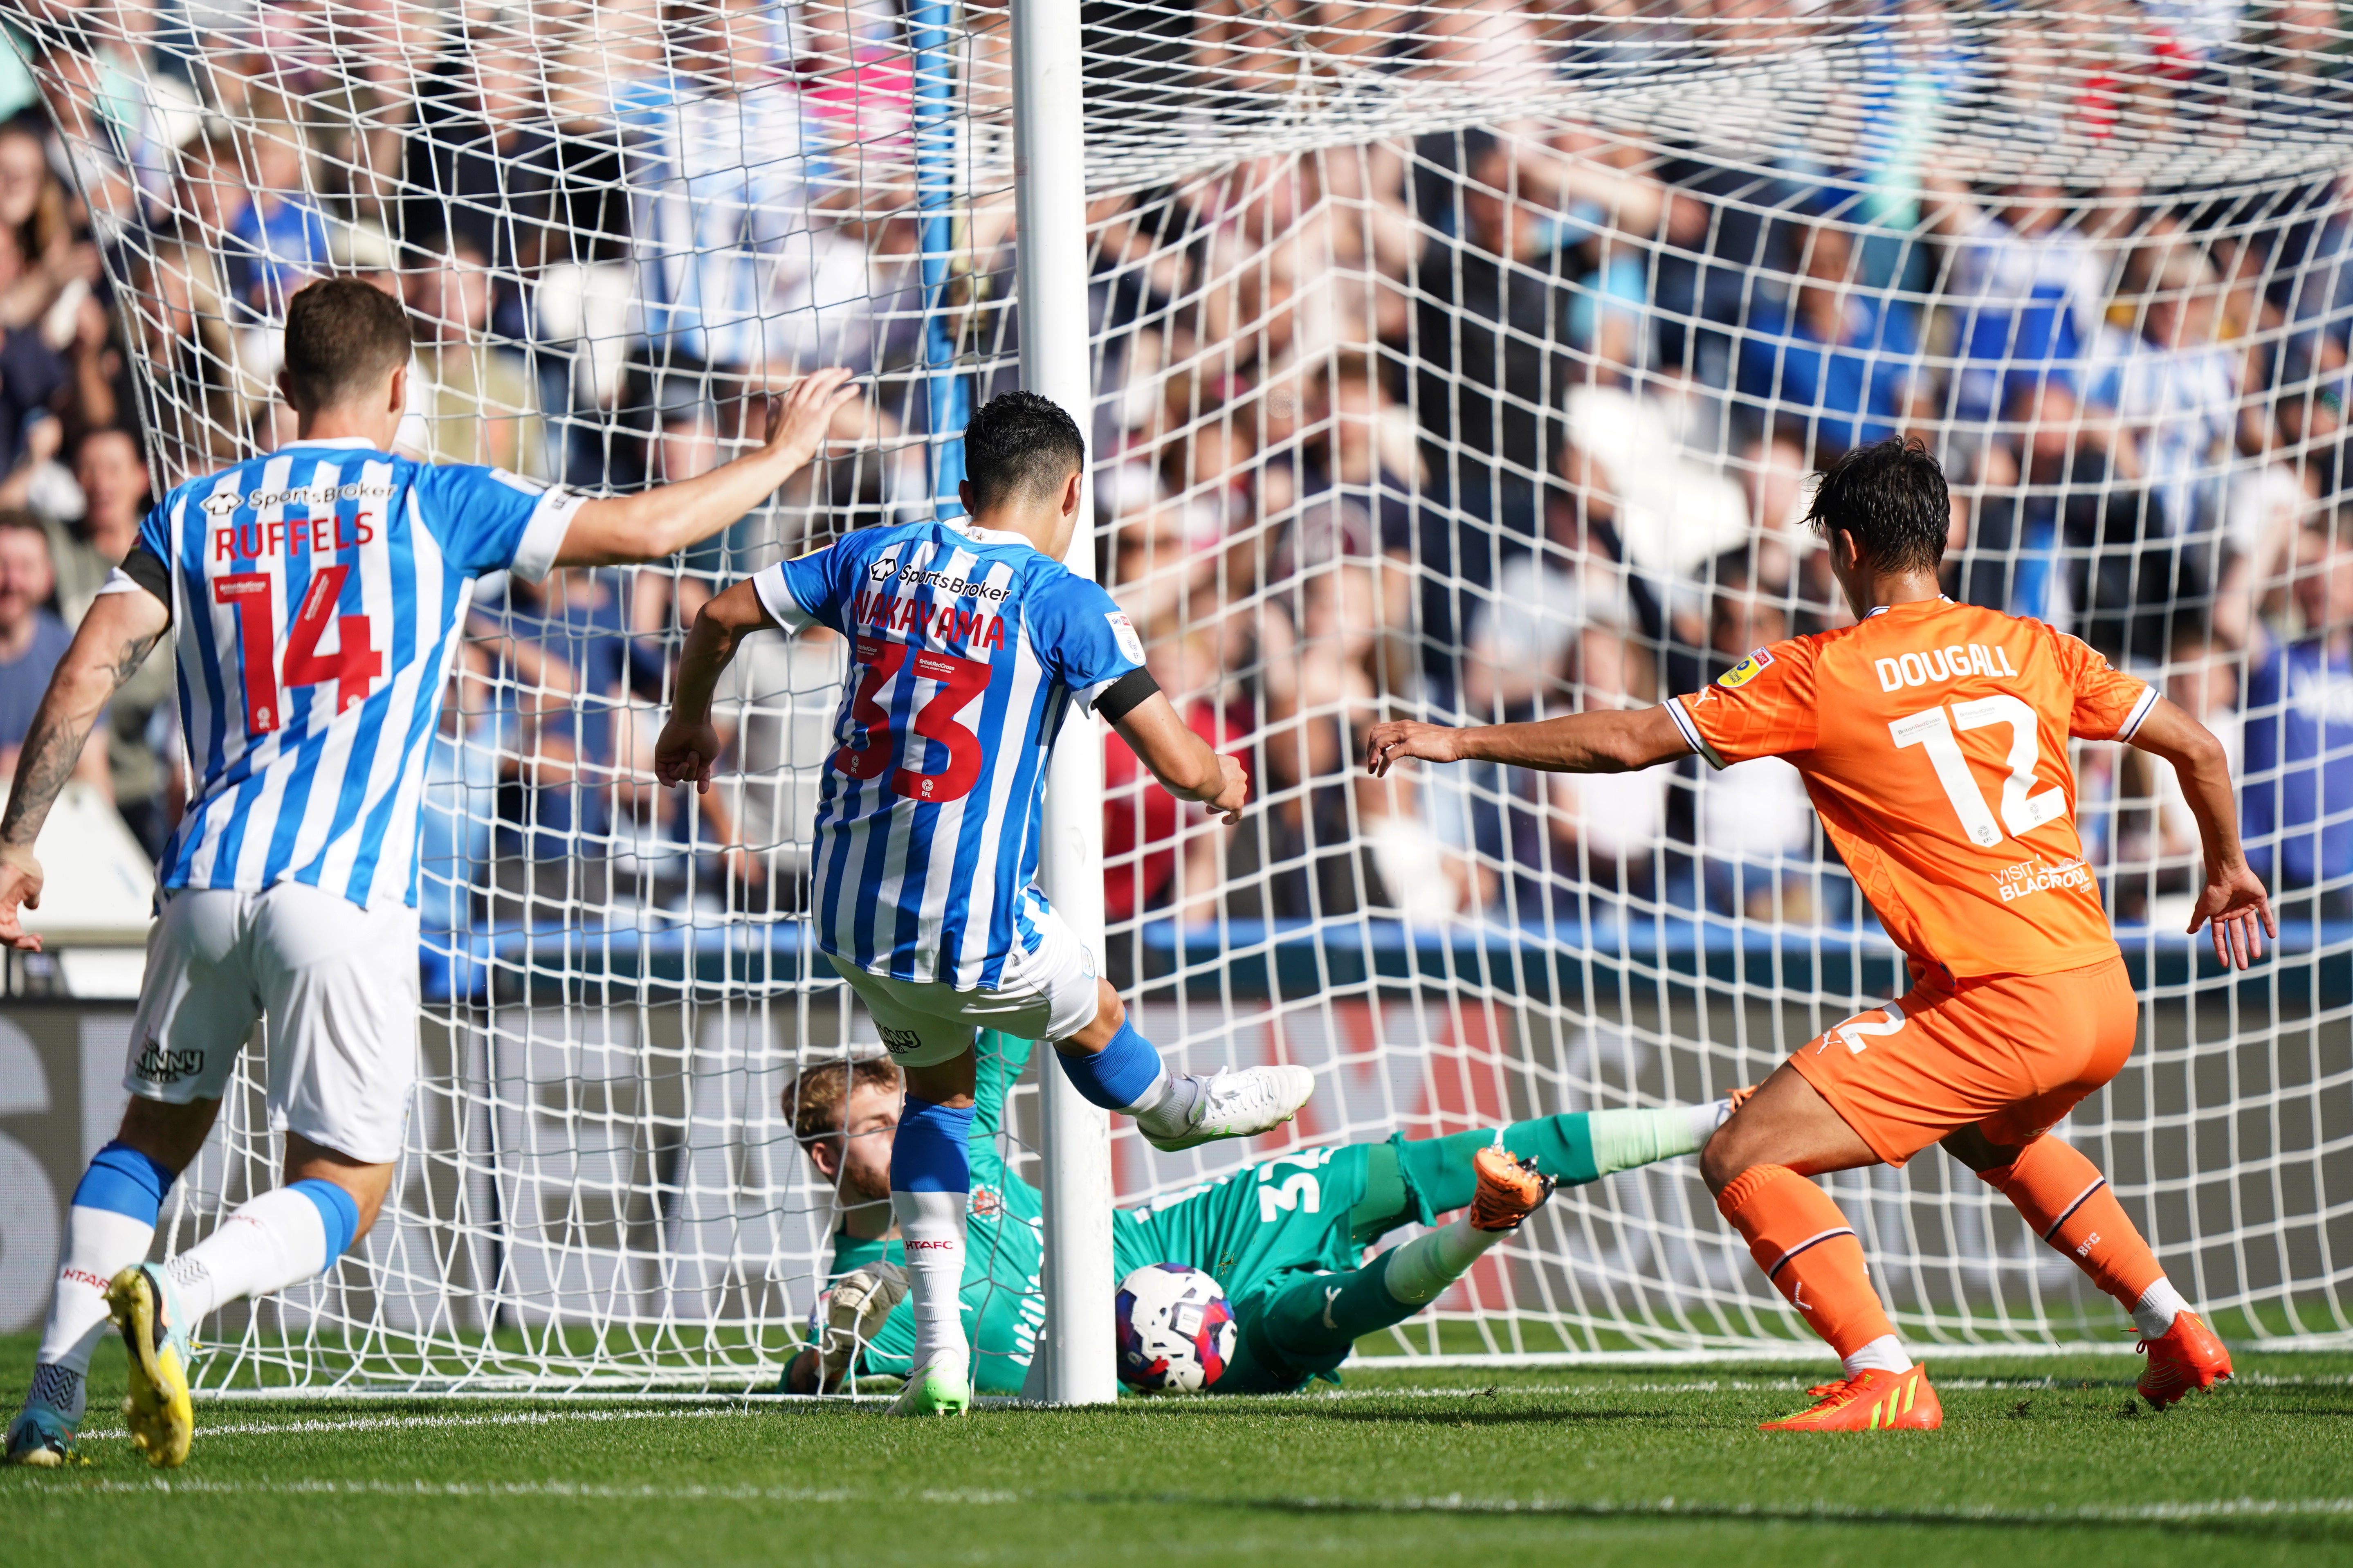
1933,738
1285,1237
971,643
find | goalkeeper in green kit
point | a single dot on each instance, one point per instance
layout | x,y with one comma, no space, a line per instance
1285,1237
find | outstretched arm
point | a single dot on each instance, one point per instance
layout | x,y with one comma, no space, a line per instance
2232,904
1186,765
690,742
666,518
1606,741
115,637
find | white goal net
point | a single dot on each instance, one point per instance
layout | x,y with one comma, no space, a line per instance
1465,360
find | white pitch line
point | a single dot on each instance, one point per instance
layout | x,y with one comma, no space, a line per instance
2128,1513
190,1485
414,1422
757,1404
2093,1513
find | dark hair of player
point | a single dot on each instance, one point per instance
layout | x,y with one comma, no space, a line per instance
817,1102
342,337
1020,446
1890,496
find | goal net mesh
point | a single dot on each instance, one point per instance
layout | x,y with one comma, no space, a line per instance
1466,361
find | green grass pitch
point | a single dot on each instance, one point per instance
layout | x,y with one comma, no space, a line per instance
2043,1461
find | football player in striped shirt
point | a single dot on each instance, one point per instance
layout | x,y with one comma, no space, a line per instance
971,644
314,595
1933,738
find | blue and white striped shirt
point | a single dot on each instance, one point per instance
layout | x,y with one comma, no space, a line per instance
315,593
968,646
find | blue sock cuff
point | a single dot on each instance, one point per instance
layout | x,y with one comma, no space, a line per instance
124,1181
1119,1074
931,1153
337,1211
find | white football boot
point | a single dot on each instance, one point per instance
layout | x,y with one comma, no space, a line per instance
1228,1104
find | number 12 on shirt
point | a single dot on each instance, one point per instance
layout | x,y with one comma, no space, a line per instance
2022,811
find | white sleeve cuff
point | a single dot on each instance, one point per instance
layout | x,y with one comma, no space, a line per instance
777,599
120,581
1690,734
2134,719
1087,694
543,536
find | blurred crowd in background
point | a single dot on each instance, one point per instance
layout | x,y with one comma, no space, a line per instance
1478,425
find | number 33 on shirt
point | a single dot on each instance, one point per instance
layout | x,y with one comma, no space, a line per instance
1933,740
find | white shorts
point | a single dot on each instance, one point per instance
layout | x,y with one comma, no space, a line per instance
337,983
1050,994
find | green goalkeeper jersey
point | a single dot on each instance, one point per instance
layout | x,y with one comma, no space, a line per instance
1250,1230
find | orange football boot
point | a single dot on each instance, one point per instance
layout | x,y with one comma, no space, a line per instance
2185,1357
1872,1401
1510,1189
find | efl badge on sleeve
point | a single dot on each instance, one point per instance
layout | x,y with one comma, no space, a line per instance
1123,632
1740,674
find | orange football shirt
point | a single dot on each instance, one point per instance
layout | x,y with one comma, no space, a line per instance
1933,739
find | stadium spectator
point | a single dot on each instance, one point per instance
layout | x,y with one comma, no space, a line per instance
562,648
1159,853
735,263
1608,828
1523,641
1828,352
1493,326
2027,286
1756,824
280,227
32,640
2297,800
2096,554
773,710
113,480
2172,386
112,483
458,802
477,400
479,170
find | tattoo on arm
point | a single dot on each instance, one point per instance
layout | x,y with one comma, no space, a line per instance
47,760
53,747
132,654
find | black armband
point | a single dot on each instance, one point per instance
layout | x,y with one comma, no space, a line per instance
1124,695
145,568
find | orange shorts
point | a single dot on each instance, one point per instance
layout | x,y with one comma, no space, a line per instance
2008,1053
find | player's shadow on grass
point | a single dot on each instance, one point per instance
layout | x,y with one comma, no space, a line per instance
2267,1527
1479,1415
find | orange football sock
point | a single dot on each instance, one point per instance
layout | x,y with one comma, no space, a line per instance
2066,1201
1807,1249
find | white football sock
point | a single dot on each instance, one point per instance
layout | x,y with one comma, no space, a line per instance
1884,1353
2157,1307
1705,1120
1167,1108
1419,1269
931,1229
99,1244
275,1241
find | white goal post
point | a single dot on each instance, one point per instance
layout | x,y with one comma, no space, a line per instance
1464,360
